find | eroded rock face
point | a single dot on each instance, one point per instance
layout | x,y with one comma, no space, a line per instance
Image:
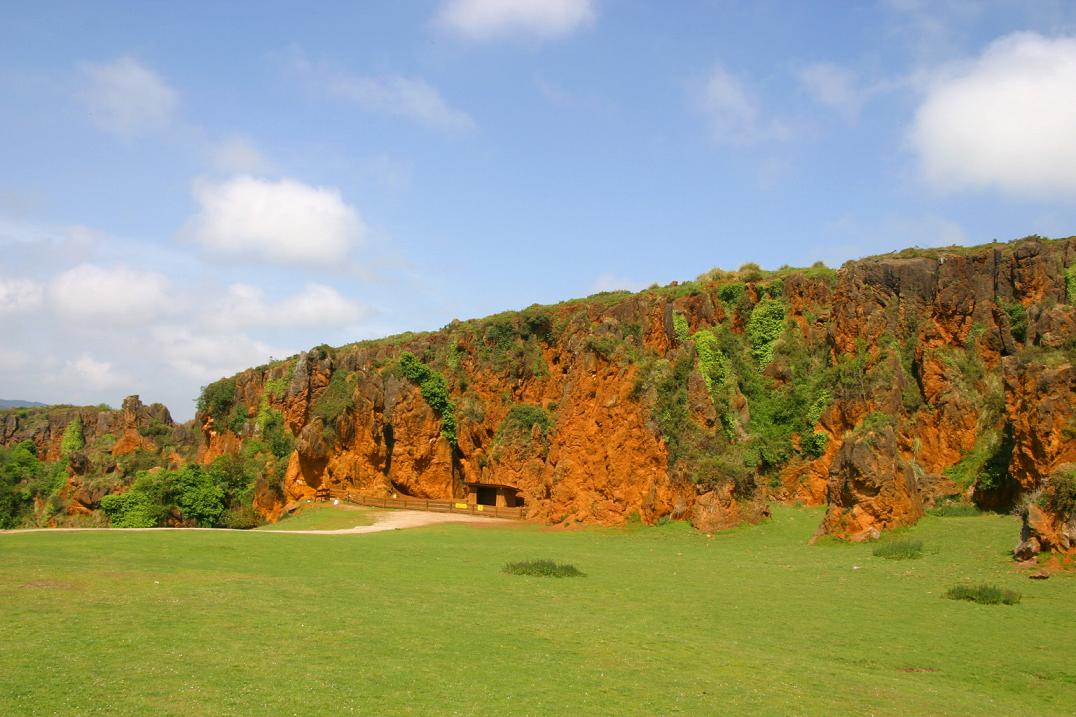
1040,405
928,340
130,427
871,488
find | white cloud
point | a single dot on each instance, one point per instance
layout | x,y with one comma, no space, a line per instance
206,357
733,112
315,305
282,221
611,282
19,295
239,155
11,361
1004,120
87,372
117,294
833,86
125,97
485,19
409,97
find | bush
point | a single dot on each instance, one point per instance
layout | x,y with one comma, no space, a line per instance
731,293
518,425
983,594
1070,283
198,496
681,327
1017,319
543,569
764,328
72,439
900,550
217,398
133,509
335,399
240,518
1060,495
814,443
434,390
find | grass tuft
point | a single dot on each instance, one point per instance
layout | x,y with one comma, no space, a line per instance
900,550
955,510
543,569
983,594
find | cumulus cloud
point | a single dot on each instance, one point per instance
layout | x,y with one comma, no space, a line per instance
485,19
239,155
114,294
733,113
125,97
409,97
88,372
315,305
18,296
281,221
1002,120
205,357
832,86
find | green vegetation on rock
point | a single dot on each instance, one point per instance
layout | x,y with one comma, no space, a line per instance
73,439
434,390
765,327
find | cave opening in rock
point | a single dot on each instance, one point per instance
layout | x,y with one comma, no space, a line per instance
486,495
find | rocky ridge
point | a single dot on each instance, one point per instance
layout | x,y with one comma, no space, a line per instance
879,390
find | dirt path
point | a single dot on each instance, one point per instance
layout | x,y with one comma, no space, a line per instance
383,520
400,519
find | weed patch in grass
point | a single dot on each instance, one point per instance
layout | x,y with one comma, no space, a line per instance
900,550
955,510
543,569
983,594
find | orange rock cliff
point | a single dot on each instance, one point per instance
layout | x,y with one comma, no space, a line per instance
878,390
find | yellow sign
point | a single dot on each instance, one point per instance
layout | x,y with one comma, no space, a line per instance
461,506
478,507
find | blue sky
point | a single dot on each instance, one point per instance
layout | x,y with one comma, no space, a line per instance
189,189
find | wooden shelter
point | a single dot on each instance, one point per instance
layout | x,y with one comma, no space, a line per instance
498,494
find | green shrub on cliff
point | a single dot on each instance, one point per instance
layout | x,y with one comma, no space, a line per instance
216,399
72,439
1017,319
680,327
336,398
434,390
1070,283
1060,495
519,425
764,328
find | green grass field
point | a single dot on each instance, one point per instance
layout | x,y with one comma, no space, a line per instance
321,516
666,621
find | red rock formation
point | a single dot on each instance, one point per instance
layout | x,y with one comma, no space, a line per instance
871,488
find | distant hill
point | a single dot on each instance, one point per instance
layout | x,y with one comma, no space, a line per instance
10,403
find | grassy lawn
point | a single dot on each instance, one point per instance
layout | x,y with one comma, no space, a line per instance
321,516
667,621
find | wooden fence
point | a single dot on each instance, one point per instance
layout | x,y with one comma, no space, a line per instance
431,505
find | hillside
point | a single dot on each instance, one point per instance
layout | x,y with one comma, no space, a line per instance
15,403
880,389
